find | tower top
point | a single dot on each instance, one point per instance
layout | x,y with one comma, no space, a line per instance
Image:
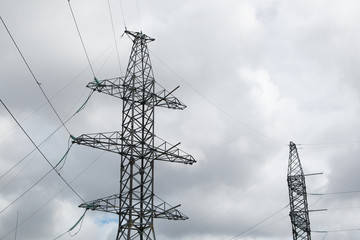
139,35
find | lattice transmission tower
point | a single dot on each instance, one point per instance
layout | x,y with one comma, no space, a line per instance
137,145
299,213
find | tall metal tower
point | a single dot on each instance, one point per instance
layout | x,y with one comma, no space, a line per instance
137,146
299,213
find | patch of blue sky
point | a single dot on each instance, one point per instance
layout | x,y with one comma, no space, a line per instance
108,220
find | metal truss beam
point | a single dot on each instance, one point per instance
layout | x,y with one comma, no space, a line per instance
112,142
110,204
299,213
137,146
116,87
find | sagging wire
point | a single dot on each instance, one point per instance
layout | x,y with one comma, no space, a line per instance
53,197
37,147
63,159
33,75
84,104
116,45
81,220
59,127
81,39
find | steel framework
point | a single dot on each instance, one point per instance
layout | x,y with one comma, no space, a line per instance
299,213
137,145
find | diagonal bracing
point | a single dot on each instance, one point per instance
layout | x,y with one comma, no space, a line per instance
137,146
299,213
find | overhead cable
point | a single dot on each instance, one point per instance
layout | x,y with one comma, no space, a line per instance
334,193
122,13
248,229
33,75
81,39
113,29
31,187
330,144
214,104
81,219
48,137
338,230
37,147
53,197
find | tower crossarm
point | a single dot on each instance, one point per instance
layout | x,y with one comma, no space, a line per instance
166,211
113,86
110,141
107,204
166,99
116,87
168,152
299,213
111,204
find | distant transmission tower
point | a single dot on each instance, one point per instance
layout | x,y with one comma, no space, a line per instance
137,146
299,213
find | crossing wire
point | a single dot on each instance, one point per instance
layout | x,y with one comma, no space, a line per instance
53,197
33,75
48,137
23,194
68,84
37,147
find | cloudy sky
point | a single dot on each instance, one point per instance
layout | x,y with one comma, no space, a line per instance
255,75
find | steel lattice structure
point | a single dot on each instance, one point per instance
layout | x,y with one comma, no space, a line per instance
299,213
137,145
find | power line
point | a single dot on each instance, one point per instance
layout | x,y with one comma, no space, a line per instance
138,8
62,89
330,144
334,193
33,75
46,139
214,104
7,184
338,230
53,168
248,229
23,194
122,13
81,220
113,29
53,197
324,236
283,217
81,39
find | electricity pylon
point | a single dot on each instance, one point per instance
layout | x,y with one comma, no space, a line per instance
137,146
299,213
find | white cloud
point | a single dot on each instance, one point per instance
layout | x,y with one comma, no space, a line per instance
258,75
